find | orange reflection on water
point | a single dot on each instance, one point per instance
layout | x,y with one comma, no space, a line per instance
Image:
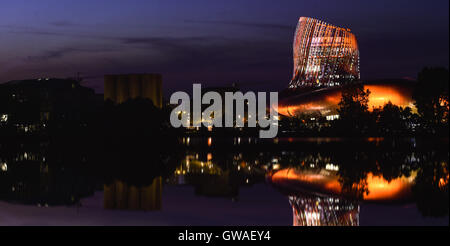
321,180
379,189
209,142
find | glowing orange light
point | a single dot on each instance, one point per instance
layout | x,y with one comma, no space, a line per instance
379,189
381,94
209,141
328,102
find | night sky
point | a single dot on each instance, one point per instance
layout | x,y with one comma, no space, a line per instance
211,42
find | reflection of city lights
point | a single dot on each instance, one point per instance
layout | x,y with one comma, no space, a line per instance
331,167
443,182
379,188
4,167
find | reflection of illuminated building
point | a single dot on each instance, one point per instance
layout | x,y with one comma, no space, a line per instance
318,196
325,101
323,211
120,88
324,54
120,195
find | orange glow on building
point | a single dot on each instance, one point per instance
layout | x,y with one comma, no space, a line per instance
327,101
381,94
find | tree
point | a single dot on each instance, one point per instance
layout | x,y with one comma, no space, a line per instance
353,109
392,119
431,97
138,148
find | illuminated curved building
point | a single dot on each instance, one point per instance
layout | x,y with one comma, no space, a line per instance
324,55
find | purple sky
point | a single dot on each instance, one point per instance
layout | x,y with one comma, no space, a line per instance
211,42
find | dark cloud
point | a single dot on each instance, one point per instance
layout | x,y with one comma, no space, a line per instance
214,60
244,24
62,23
38,32
44,32
62,52
56,32
210,51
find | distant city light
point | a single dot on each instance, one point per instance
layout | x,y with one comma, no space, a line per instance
4,167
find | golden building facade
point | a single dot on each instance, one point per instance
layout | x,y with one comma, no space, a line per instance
120,88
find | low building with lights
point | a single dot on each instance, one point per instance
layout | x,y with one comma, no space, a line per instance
36,105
